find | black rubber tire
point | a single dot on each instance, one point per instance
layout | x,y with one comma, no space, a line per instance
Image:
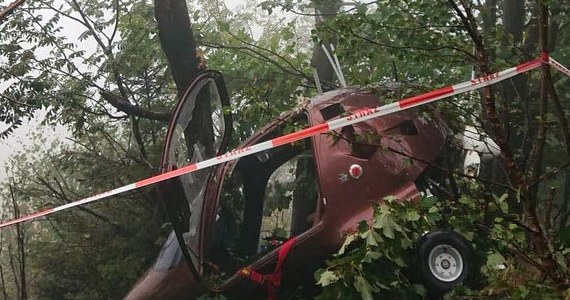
432,240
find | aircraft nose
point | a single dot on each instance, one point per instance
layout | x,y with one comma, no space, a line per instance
176,283
169,278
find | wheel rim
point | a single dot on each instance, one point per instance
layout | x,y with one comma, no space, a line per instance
445,263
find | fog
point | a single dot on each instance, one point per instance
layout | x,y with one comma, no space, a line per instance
21,138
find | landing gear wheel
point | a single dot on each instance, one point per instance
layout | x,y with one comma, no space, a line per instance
445,260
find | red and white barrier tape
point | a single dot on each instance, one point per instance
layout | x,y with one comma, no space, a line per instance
558,66
359,116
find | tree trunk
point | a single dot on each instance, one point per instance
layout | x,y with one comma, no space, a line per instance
513,19
177,40
324,10
2,279
21,250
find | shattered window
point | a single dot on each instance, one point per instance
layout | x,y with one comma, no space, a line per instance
266,199
197,136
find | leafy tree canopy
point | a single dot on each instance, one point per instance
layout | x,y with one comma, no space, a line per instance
117,94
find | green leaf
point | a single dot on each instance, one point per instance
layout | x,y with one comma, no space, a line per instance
223,26
465,200
428,202
385,221
419,289
469,235
370,238
390,199
327,278
495,259
399,261
413,215
503,205
349,239
522,292
371,256
363,287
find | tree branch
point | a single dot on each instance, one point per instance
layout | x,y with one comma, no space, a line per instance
559,111
8,10
133,110
470,25
536,156
300,73
258,55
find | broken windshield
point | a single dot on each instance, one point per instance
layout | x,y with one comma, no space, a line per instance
196,134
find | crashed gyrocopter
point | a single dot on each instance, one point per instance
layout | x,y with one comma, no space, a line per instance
265,215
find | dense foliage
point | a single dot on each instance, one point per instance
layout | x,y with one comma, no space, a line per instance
98,68
380,259
110,244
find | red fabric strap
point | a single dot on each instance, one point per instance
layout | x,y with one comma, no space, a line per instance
272,280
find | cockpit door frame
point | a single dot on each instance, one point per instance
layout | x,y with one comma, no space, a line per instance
169,191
